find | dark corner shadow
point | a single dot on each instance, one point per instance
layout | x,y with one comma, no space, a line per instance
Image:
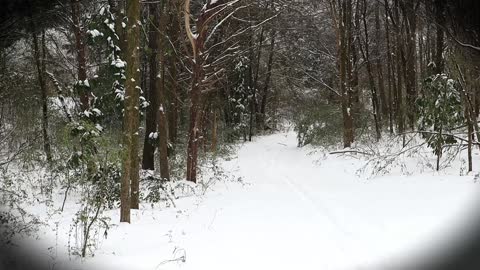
459,250
28,256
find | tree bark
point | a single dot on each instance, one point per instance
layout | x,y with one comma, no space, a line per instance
371,79
173,109
81,49
398,60
40,64
408,8
197,43
384,108
161,88
266,86
390,71
130,176
440,22
214,132
344,37
148,160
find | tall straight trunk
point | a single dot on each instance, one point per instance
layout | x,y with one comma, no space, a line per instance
371,79
470,139
343,44
174,102
117,7
469,105
81,50
195,101
408,7
354,77
161,89
214,132
256,68
266,85
197,43
400,109
389,71
130,176
440,21
204,127
148,160
430,44
421,55
253,89
172,59
384,108
40,64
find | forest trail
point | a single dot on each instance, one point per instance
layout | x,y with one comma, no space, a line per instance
294,211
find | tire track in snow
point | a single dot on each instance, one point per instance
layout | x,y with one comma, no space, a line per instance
318,208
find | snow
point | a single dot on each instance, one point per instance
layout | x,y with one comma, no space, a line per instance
118,63
153,135
285,207
94,33
97,111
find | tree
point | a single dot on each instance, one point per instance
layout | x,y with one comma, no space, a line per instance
365,49
341,12
440,111
82,85
212,9
40,64
148,160
130,176
160,82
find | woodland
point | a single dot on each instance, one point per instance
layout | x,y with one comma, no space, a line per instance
110,106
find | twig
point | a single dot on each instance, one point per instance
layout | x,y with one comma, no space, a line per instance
350,151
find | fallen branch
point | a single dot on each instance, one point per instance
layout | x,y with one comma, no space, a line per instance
350,152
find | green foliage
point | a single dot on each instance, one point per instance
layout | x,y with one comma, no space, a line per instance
440,110
157,187
318,124
238,100
316,120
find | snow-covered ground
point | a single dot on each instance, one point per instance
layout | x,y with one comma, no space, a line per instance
287,209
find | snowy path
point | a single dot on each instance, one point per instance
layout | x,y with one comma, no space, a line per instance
293,214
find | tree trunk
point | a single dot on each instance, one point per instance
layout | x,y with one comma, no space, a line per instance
148,160
383,106
410,66
344,28
40,63
399,83
440,22
130,176
470,135
214,132
192,147
161,113
390,72
173,98
174,102
266,86
371,79
81,48
253,89
197,43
